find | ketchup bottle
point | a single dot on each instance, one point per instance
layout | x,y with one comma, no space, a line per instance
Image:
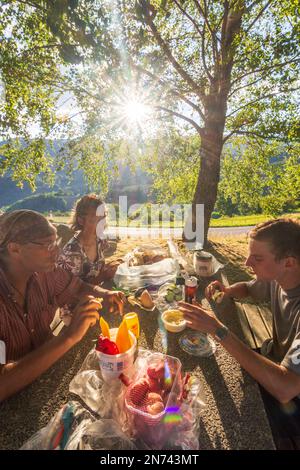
190,289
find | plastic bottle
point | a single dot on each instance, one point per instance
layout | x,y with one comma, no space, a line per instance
190,289
133,324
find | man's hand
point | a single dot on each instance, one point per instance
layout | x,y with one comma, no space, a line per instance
84,316
214,287
199,318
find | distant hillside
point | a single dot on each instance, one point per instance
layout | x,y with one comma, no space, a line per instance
45,202
67,189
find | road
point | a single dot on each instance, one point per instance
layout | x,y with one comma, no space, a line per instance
144,232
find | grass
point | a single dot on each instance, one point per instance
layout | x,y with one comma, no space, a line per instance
235,221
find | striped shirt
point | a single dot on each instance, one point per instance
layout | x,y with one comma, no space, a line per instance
24,330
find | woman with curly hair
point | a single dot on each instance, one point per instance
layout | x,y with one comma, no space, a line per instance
83,254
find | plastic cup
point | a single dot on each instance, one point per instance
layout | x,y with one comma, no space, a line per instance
112,366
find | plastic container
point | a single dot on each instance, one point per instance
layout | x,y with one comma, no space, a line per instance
203,263
154,429
112,366
173,320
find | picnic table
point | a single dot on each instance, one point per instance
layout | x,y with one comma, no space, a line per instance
234,416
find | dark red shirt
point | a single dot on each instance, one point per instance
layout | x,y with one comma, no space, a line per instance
22,331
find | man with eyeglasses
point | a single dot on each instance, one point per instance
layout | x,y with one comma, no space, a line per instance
32,287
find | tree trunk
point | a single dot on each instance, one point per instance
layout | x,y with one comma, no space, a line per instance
210,155
215,107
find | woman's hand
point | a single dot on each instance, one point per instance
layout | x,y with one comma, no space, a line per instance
199,318
109,270
115,301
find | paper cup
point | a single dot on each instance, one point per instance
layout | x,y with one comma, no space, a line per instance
112,366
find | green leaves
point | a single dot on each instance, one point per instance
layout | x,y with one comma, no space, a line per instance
260,176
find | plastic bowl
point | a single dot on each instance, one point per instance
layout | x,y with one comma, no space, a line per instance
173,320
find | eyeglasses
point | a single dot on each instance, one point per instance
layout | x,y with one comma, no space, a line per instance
49,246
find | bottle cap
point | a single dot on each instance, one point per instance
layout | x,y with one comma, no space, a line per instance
191,281
203,255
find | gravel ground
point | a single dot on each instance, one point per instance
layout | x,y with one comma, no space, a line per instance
234,417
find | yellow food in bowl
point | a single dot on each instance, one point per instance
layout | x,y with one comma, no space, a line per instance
173,320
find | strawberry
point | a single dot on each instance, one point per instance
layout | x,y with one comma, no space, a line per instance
106,346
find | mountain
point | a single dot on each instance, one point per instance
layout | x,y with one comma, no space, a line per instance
67,189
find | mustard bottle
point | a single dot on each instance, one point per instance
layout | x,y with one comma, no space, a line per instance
123,340
133,324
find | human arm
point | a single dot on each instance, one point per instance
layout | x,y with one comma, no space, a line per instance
111,299
238,290
17,375
279,381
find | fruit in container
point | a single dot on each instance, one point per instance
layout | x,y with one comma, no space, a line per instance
156,371
154,385
174,293
123,340
138,391
153,397
104,327
106,346
155,408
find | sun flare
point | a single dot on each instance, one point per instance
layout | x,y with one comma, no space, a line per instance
134,110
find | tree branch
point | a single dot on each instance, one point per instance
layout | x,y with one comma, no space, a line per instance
185,13
203,56
168,53
270,95
214,37
168,88
264,69
256,134
245,86
182,116
237,130
258,16
204,16
31,4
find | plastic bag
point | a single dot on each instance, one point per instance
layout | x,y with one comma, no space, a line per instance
75,427
83,432
133,277
108,400
59,429
89,385
145,255
102,434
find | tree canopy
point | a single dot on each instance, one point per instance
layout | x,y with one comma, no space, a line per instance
223,68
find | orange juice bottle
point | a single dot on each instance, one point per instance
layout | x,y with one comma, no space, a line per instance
133,323
123,340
